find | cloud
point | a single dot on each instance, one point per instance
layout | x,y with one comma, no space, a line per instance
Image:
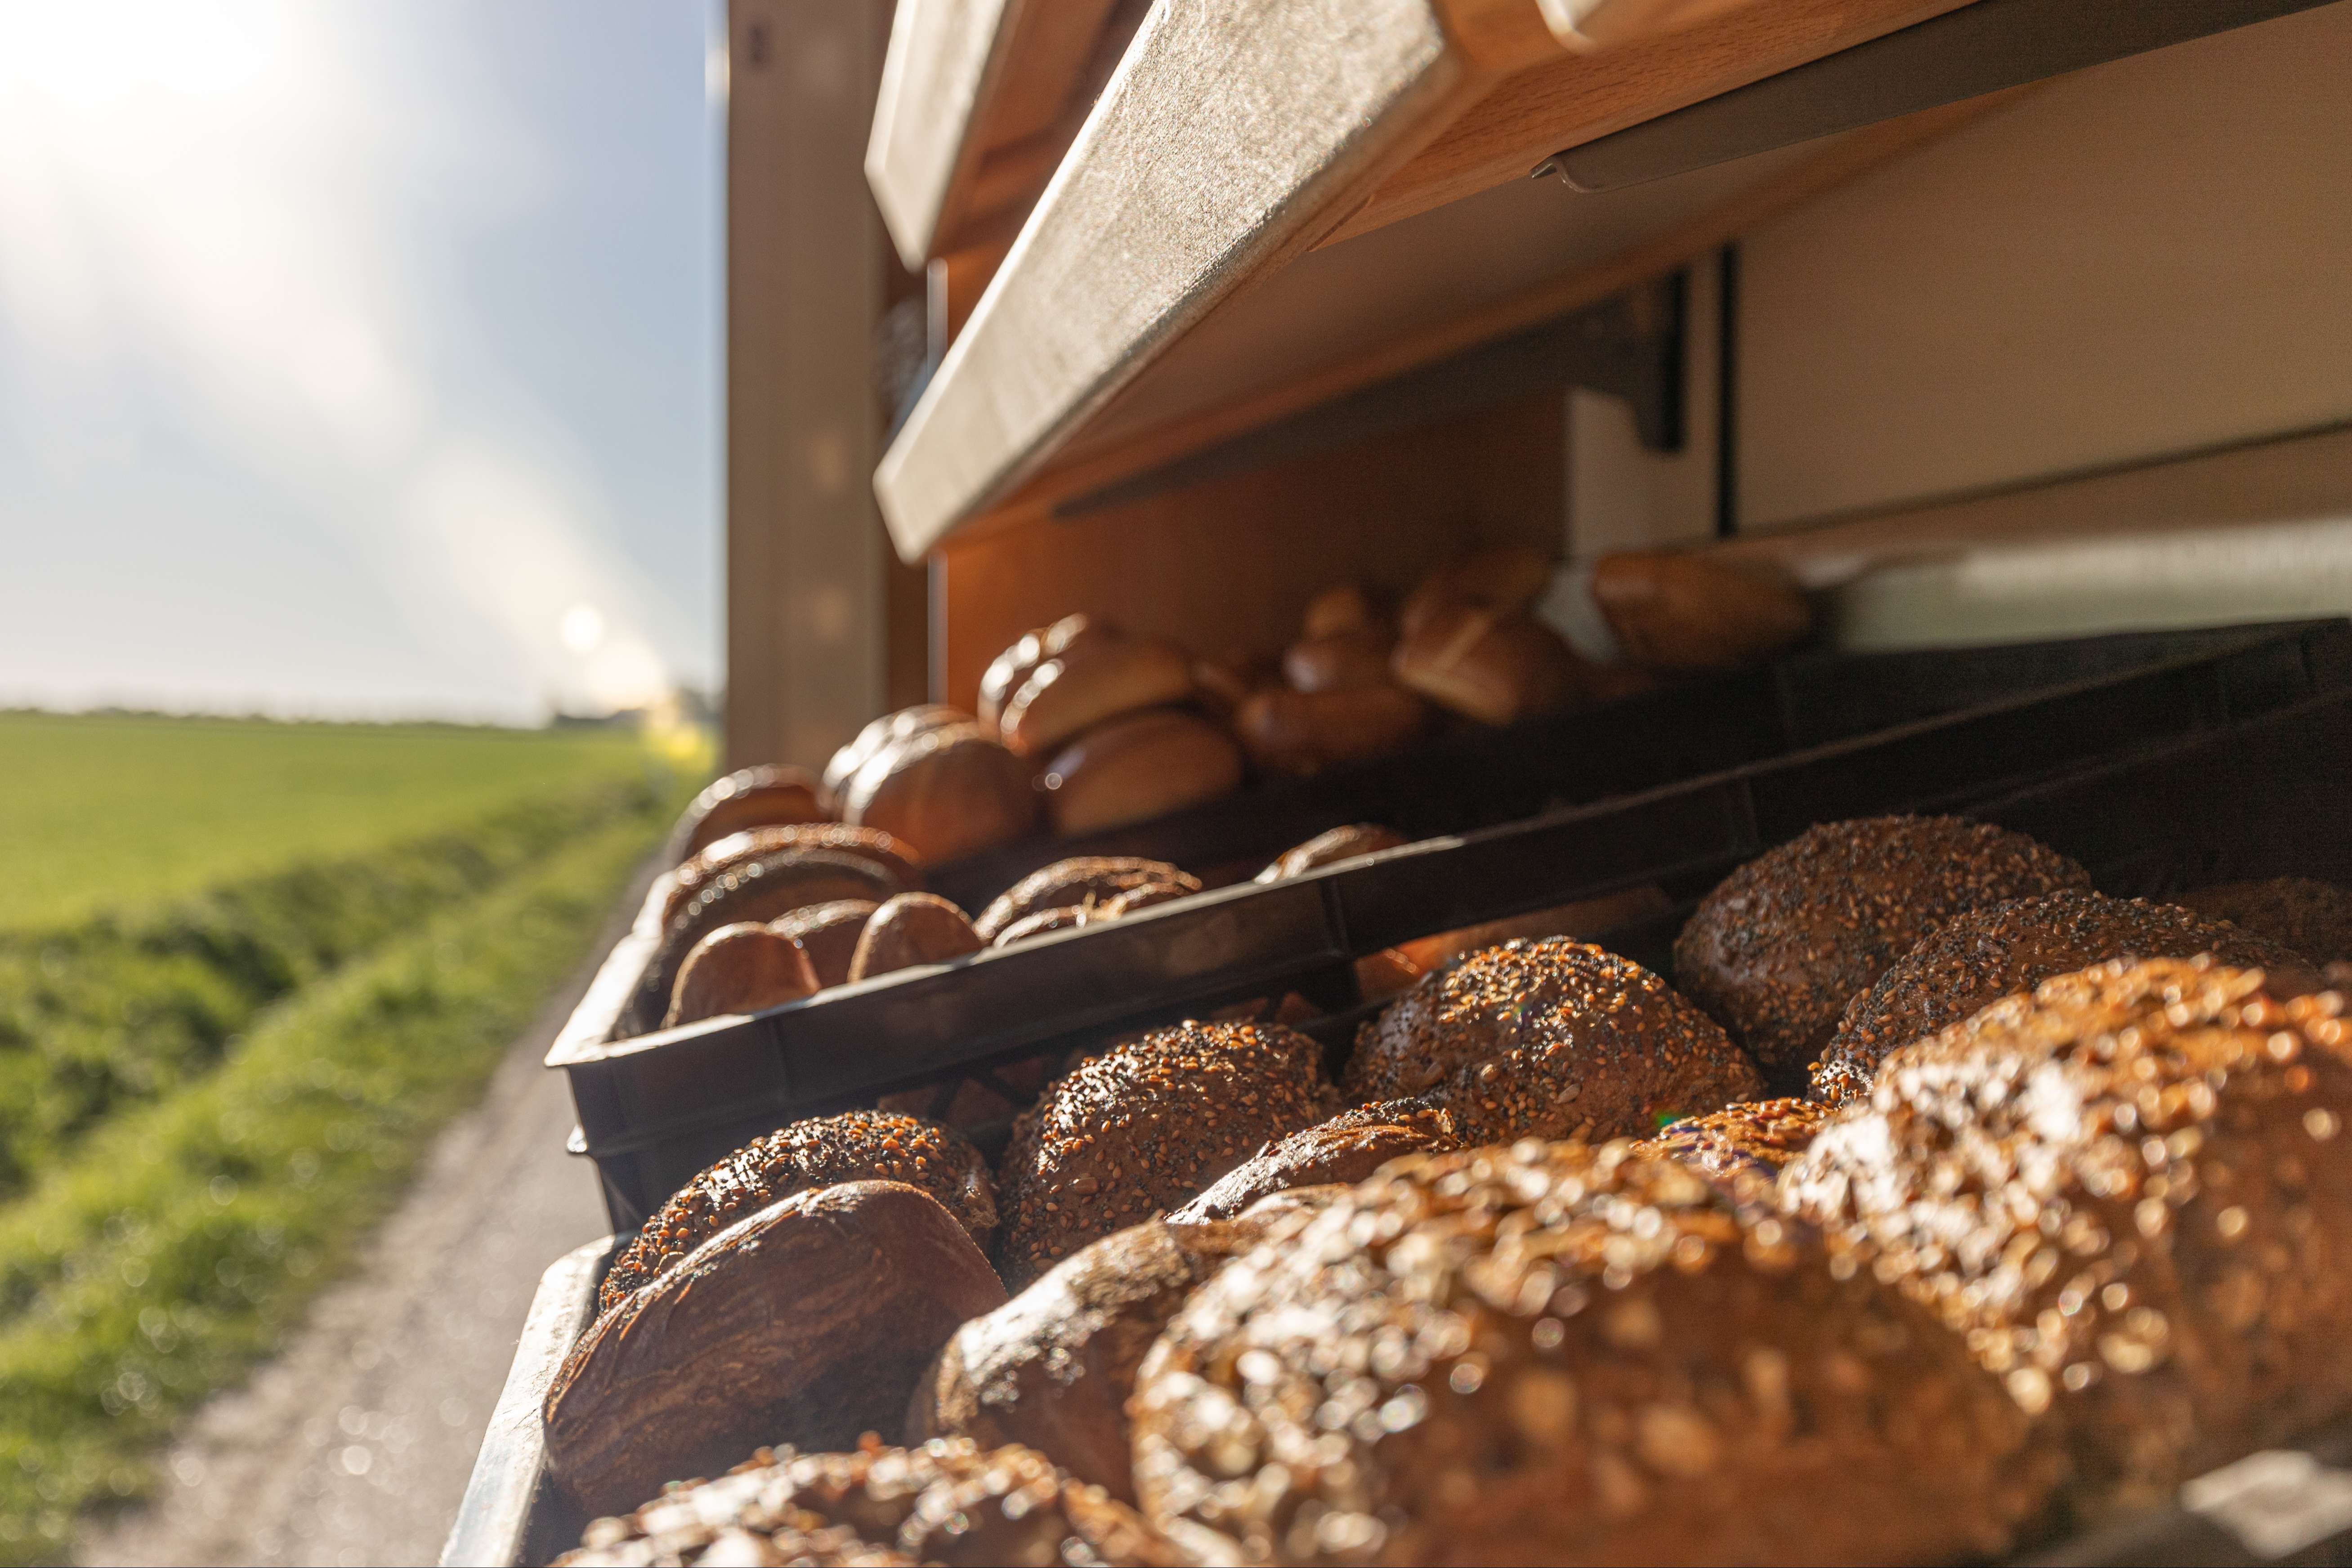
194,195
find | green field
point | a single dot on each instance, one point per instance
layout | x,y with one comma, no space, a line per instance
270,962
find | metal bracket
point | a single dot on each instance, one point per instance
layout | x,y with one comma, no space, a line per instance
1976,50
1629,346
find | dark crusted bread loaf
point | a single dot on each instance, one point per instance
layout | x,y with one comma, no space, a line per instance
1550,1039
1079,882
1776,950
1742,1147
807,1322
949,1502
2132,1193
1978,958
1552,1354
854,1146
1053,1366
1346,1149
2315,918
1144,1126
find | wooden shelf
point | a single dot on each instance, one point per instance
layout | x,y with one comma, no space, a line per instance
1180,281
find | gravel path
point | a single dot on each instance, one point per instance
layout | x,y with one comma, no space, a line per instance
353,1446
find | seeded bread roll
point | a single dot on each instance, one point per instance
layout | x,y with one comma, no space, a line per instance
738,969
1975,959
1303,733
1330,848
887,731
1781,945
1551,1353
1090,684
1144,1126
1346,1149
1548,1039
760,888
806,1322
1079,881
829,934
1743,1147
2315,918
854,1146
770,796
912,929
1488,665
1679,611
947,1501
693,875
947,791
2130,1192
1053,1367
1137,767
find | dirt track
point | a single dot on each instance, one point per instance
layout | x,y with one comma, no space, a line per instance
353,1445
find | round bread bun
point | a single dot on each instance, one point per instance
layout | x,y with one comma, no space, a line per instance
1007,672
1554,1353
739,968
769,797
887,731
1487,665
947,1501
1328,849
1081,879
691,876
2131,1192
1302,733
2313,917
1548,1039
1503,578
1742,1147
829,934
1781,945
1674,610
912,929
1090,684
1066,917
1145,1125
1337,661
1342,610
947,791
1136,768
854,1146
1222,685
1348,1148
1975,959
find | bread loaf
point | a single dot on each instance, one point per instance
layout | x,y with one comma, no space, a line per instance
1091,684
738,969
1494,668
1328,849
1144,1126
1337,662
1136,768
1553,1354
823,1151
887,731
692,875
1678,611
911,930
1344,1149
771,797
948,792
2313,917
1220,685
1781,945
1337,611
1741,1147
1008,672
759,889
828,934
1298,732
1081,880
807,1322
1503,578
1067,917
2131,1193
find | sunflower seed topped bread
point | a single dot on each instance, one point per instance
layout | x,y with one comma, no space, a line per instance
2131,1193
1348,1148
1978,958
856,1145
1781,945
947,1501
1742,1146
1145,1125
806,1322
1550,1353
1548,1039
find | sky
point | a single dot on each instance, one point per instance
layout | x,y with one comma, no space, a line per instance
358,360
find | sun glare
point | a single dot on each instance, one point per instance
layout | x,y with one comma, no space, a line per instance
114,55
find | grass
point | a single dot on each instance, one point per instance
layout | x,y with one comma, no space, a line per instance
105,813
161,1257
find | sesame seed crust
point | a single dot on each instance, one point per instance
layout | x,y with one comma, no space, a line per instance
1548,1039
1740,1144
823,1152
1550,1353
1977,958
1780,944
1143,1127
947,1501
2129,1194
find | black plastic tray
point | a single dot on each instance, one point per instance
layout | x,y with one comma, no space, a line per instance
657,1109
2259,796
